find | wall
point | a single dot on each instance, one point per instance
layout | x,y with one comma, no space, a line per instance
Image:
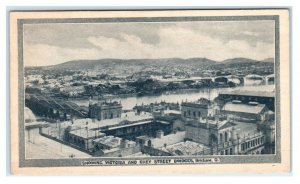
178,125
194,112
170,139
154,151
197,134
119,152
105,112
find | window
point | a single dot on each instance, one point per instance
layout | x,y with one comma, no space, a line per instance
226,152
226,136
184,114
221,138
194,113
199,114
262,140
189,112
230,151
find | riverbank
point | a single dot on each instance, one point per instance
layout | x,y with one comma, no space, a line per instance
174,96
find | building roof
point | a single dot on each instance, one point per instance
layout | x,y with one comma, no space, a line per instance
202,102
107,104
250,93
129,116
185,148
127,125
225,124
211,124
172,112
110,141
245,108
86,134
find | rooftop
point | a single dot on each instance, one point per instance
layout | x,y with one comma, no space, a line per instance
129,116
185,148
127,124
172,112
110,141
84,133
107,103
211,123
245,108
250,93
201,102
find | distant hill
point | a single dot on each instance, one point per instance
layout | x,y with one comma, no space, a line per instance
92,64
165,62
238,60
271,60
244,60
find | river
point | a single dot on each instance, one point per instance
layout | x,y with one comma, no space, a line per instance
178,96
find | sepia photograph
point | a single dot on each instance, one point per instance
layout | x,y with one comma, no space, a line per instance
142,88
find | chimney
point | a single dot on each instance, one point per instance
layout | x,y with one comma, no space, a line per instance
159,134
124,143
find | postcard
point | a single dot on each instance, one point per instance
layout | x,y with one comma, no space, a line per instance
161,91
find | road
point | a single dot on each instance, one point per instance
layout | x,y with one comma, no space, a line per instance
40,147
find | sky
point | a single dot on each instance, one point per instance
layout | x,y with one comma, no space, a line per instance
51,44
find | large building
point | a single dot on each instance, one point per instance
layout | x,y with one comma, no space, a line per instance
210,132
82,137
262,97
201,108
105,110
251,112
227,137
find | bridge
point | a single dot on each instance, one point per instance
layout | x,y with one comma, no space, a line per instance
52,108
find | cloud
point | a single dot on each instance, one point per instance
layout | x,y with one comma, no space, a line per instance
174,40
43,54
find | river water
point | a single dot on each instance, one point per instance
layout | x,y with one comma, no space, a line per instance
178,96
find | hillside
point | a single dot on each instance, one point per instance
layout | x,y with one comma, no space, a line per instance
92,64
166,62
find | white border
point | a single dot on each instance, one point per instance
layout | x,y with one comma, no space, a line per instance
94,4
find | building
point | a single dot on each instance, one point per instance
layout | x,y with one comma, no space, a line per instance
106,142
210,132
187,148
161,140
111,146
201,108
105,110
156,106
82,137
262,97
129,129
227,137
251,112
